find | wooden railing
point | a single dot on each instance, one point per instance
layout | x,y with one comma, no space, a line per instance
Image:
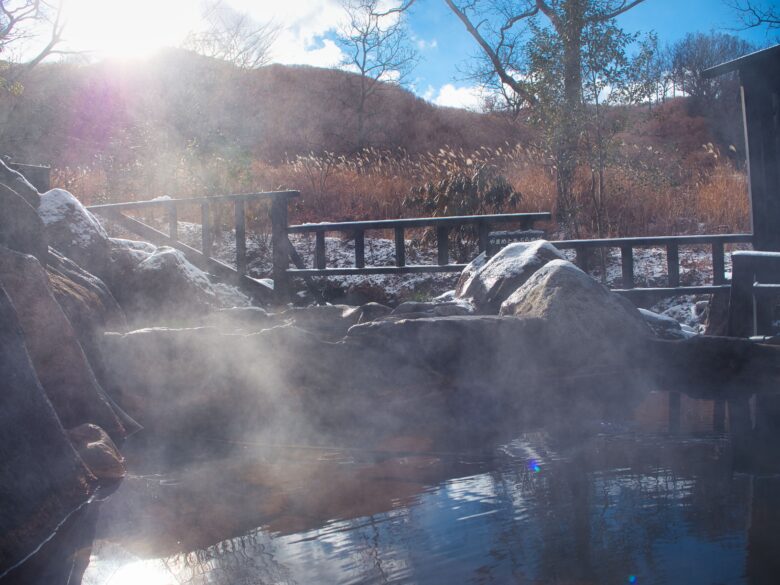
442,225
203,258
283,251
672,246
755,283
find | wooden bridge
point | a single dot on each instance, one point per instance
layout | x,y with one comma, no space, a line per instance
283,252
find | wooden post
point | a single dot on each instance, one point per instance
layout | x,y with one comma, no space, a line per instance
281,255
240,236
319,250
484,231
741,310
582,258
360,249
760,87
765,273
627,265
718,263
673,264
205,223
443,245
173,222
400,247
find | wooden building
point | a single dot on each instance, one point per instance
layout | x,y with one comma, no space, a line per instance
759,75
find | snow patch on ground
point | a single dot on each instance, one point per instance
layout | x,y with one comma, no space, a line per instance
650,268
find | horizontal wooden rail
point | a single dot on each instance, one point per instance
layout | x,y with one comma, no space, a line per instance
443,225
417,222
352,271
203,258
653,241
672,245
661,292
192,200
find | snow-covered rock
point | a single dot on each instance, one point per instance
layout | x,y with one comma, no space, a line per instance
74,231
664,326
489,283
160,281
584,320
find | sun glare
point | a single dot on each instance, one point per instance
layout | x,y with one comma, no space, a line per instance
128,28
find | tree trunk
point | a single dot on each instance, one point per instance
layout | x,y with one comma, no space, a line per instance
570,31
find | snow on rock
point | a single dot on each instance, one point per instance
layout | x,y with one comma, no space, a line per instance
74,231
489,283
664,326
162,280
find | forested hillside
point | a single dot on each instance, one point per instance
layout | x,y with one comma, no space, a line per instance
182,124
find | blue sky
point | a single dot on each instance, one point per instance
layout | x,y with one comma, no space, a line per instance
448,46
109,28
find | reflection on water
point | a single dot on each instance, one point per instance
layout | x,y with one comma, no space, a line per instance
618,504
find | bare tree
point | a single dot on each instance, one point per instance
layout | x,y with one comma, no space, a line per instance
376,46
695,53
501,27
753,13
21,24
233,36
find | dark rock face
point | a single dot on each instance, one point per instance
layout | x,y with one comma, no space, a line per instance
74,231
20,227
59,360
42,479
466,371
15,181
488,283
87,302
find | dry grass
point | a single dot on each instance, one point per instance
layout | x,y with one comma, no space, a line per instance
642,197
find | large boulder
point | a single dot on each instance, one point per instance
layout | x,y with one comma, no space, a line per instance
589,324
21,228
489,282
42,479
15,181
56,353
74,231
158,283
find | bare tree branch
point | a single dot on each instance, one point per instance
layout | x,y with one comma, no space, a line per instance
492,55
233,36
752,14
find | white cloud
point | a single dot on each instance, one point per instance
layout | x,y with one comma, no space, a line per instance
469,97
124,28
424,45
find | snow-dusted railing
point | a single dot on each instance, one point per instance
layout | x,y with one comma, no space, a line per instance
755,280
672,245
203,257
443,225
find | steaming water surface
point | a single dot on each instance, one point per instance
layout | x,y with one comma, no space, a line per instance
628,503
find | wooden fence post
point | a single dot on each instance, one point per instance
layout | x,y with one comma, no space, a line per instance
173,222
741,313
280,243
240,236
